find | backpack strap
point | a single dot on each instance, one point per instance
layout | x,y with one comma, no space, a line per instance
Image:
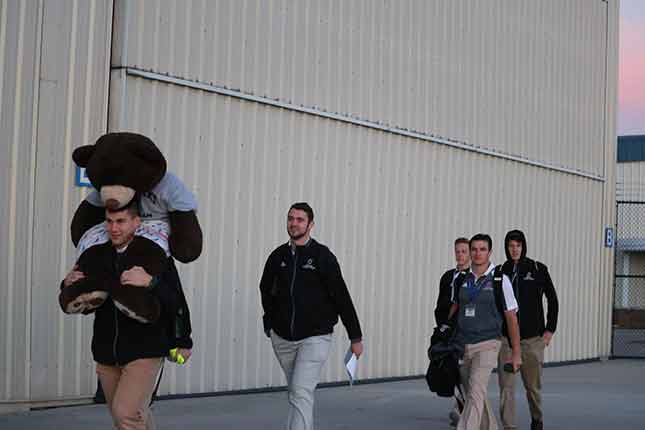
456,288
498,291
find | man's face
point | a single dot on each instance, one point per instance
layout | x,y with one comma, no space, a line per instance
479,252
121,226
462,256
298,224
515,249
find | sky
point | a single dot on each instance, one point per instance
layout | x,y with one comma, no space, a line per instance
631,81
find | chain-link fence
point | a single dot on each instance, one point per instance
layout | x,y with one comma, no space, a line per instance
629,292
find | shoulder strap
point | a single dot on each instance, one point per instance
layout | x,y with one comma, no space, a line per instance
457,283
498,291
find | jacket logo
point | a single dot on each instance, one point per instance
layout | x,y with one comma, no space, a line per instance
309,265
283,264
528,277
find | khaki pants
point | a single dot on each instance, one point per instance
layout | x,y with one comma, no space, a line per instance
302,362
128,390
531,371
479,361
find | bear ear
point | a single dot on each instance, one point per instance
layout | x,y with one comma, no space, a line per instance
154,164
82,155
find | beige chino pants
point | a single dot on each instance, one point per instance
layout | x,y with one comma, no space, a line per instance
479,361
531,372
128,390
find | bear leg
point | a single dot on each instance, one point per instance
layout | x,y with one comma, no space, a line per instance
81,297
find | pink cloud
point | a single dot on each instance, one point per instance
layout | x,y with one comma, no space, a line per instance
631,83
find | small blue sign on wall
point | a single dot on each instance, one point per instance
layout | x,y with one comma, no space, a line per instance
81,178
609,237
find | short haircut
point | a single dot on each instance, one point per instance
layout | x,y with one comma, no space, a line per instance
303,206
481,237
515,235
462,240
132,208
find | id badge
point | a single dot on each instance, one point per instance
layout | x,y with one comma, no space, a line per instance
470,311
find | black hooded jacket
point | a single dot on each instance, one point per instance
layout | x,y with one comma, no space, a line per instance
303,293
444,300
530,281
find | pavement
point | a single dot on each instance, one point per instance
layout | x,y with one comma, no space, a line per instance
591,396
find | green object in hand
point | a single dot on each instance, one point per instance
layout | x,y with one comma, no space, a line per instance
176,356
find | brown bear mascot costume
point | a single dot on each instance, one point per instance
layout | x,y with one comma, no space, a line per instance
127,167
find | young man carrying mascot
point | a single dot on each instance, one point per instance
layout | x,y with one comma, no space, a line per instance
128,229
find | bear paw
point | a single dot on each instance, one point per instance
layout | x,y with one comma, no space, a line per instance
86,302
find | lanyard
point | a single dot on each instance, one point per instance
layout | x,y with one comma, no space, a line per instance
475,287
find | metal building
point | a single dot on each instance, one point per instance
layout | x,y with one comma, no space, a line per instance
404,123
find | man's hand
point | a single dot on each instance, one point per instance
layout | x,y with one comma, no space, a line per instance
546,337
73,276
137,277
516,361
357,348
186,353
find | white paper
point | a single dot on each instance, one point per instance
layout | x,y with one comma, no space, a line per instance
351,364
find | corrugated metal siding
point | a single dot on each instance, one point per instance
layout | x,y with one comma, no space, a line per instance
630,181
608,211
375,194
55,69
507,75
385,204
19,31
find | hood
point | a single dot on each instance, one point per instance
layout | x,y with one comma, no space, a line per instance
517,235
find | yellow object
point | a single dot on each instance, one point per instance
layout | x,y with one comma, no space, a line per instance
176,356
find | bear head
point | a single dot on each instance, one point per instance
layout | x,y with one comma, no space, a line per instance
120,165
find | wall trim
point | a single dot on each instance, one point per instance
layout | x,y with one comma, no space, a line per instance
428,137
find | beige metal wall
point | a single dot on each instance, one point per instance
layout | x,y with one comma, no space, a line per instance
54,64
630,181
18,38
508,75
492,77
376,193
531,79
385,204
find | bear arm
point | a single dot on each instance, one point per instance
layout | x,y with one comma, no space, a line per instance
86,216
186,238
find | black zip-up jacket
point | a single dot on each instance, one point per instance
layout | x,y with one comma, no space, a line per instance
444,300
118,339
531,280
303,293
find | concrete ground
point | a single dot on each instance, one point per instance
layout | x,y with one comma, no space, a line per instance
598,395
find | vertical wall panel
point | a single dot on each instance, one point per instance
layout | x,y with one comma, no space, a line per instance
53,87
606,255
19,43
72,111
